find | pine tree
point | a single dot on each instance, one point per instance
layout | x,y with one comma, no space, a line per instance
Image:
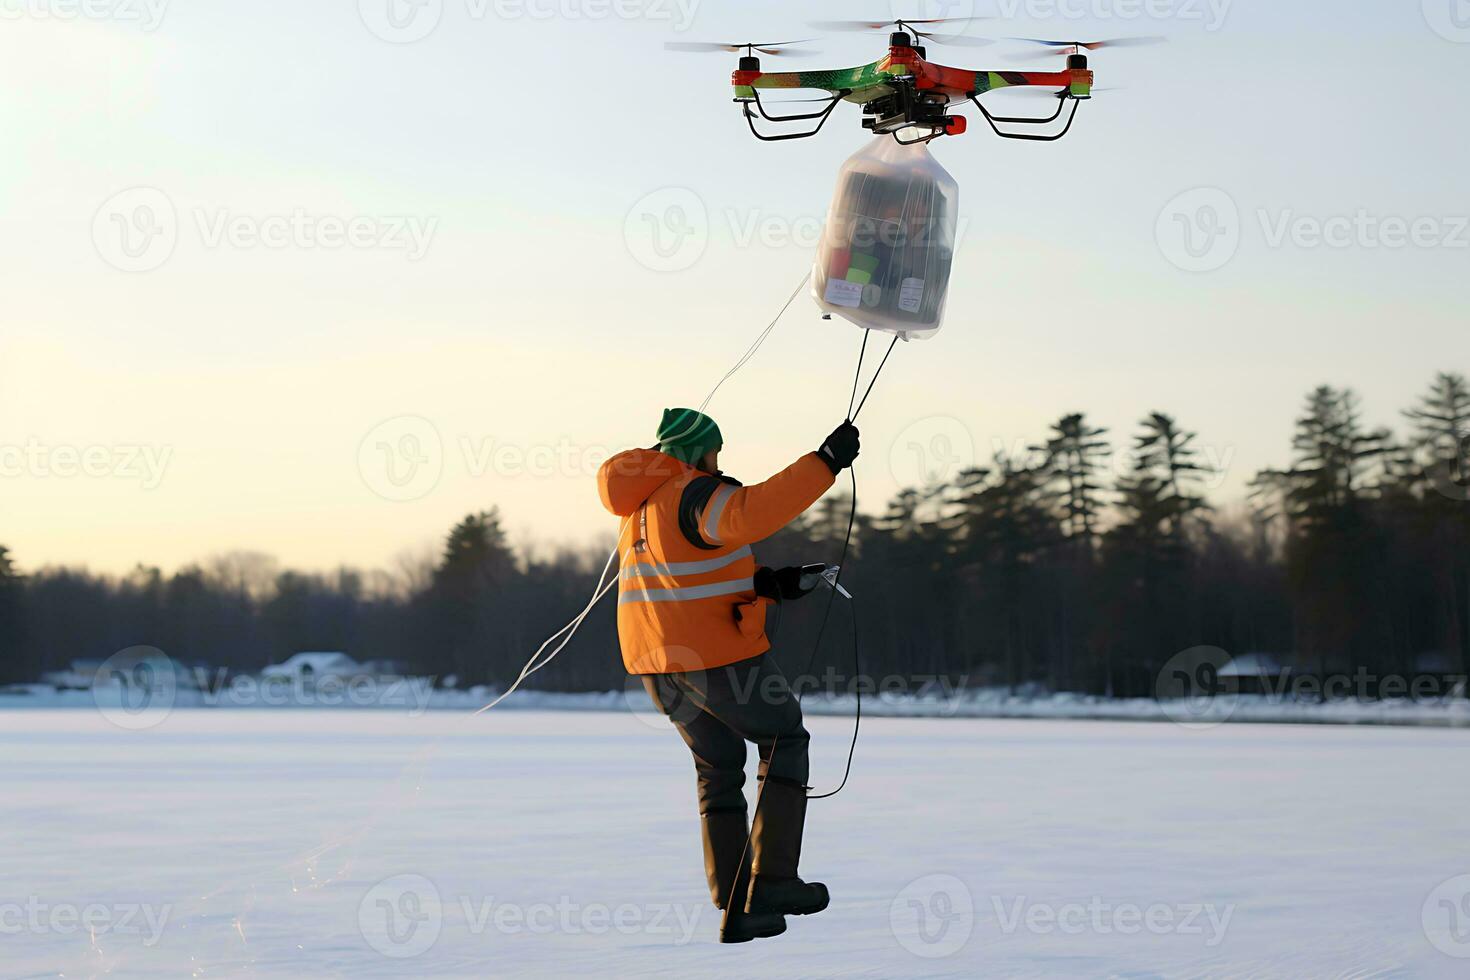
1075,456
1439,475
1441,442
15,665
1335,456
471,600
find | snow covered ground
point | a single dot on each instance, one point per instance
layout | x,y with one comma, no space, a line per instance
383,844
933,700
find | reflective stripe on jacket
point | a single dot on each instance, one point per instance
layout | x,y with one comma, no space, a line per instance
686,589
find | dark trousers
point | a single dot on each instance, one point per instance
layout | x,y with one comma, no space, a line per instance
717,711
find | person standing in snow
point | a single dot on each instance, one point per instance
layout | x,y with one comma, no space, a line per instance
692,606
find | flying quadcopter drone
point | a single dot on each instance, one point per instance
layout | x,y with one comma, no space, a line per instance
904,92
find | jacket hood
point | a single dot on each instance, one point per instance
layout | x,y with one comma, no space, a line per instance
629,478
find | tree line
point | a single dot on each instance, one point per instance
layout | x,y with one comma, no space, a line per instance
1060,568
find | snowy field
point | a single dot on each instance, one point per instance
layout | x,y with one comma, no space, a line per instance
379,844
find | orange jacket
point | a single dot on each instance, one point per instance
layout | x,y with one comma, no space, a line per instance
686,595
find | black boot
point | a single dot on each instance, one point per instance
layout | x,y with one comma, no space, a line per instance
725,840
775,886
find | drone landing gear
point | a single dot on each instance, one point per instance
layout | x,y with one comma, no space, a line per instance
821,117
1063,98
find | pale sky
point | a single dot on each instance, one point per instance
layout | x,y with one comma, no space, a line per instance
496,327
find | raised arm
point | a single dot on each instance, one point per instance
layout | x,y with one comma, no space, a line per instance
733,515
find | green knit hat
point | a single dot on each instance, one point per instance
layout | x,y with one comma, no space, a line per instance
687,435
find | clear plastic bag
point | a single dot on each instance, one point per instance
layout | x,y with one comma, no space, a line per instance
885,255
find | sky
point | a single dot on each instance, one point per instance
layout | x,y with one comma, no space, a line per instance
318,279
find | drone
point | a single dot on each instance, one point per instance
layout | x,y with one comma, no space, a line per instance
905,95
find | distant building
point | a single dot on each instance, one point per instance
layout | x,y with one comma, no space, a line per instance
312,666
1255,673
77,677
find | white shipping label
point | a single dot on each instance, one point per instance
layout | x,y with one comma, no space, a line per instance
910,295
840,292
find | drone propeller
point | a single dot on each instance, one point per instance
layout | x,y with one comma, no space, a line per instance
878,25
1074,47
764,47
961,40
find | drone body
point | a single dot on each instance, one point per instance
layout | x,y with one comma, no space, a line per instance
905,92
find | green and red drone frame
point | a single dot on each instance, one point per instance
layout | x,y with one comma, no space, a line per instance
905,92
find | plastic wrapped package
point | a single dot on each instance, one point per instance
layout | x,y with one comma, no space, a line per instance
885,255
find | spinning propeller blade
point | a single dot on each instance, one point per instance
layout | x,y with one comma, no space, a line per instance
764,47
882,25
958,40
1071,47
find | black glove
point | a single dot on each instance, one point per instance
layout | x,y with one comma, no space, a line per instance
841,448
780,583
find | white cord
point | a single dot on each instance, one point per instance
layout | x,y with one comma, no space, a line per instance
570,629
